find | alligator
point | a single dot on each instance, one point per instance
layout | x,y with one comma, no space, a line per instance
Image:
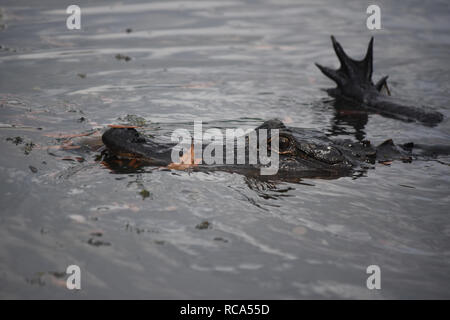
303,153
354,83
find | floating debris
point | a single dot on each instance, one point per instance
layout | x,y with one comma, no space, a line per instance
28,147
96,234
203,225
33,169
82,75
144,193
15,140
138,230
98,243
122,57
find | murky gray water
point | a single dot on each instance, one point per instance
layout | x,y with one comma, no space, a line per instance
228,63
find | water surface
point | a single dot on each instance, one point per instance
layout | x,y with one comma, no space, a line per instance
229,64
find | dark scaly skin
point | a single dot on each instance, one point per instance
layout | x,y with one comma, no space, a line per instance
303,153
354,82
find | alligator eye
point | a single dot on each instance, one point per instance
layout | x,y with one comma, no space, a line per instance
284,145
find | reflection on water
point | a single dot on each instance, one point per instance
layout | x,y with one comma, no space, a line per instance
348,114
154,233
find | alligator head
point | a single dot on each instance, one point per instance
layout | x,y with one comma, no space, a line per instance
354,82
302,153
